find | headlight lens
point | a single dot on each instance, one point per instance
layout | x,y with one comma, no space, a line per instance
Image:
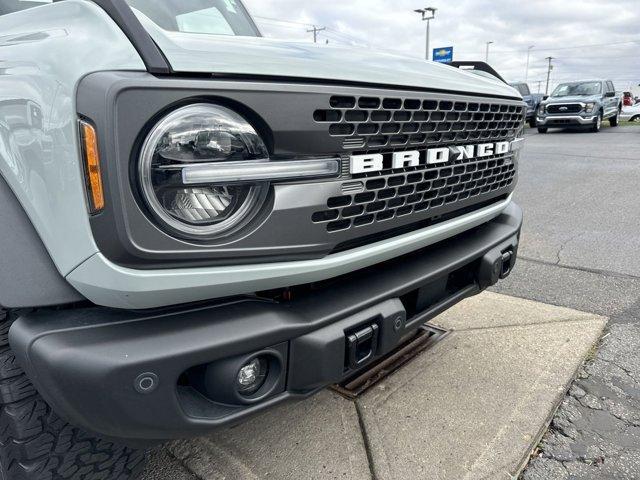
197,134
542,109
589,107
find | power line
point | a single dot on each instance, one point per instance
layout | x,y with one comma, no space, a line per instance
590,46
291,23
602,56
268,22
284,21
348,36
337,38
552,49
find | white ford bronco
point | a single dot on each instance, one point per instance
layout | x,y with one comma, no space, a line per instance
199,223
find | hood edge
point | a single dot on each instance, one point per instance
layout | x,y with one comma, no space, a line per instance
325,81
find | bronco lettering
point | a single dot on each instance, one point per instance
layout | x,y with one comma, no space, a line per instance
375,162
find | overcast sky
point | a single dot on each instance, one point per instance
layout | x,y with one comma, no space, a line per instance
607,32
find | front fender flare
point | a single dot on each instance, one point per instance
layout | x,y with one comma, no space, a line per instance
28,276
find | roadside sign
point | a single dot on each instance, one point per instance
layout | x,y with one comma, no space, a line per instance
443,55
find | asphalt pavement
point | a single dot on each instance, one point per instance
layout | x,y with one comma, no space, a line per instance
581,249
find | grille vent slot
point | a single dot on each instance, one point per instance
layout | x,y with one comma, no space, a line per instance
376,122
417,191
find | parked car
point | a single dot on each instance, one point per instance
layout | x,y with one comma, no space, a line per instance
531,99
583,104
198,227
631,114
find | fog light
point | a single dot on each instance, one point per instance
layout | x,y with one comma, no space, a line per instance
252,376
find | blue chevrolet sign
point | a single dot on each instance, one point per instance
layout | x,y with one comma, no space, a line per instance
443,55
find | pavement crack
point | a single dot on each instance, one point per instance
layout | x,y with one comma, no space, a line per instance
183,464
366,441
564,245
589,406
596,271
576,319
628,372
596,157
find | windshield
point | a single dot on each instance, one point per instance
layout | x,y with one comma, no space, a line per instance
579,89
214,17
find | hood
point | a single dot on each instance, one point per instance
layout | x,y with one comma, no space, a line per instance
195,53
574,99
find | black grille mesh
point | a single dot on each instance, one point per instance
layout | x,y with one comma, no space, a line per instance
568,108
377,122
371,124
417,191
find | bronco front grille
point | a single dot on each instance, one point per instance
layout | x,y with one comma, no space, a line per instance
378,122
418,191
568,108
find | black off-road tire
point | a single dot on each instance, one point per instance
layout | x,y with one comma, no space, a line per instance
36,444
597,124
543,129
614,121
533,123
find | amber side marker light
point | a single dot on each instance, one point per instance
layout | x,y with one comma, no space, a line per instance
92,173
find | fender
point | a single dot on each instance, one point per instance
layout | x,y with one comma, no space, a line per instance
28,277
39,152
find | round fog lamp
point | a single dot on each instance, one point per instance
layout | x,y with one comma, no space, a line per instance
252,375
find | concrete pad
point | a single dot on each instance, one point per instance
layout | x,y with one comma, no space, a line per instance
470,408
315,439
491,310
475,405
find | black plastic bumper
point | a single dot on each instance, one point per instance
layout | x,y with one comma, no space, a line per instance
139,375
569,121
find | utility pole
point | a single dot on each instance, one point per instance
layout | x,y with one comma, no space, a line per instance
546,92
428,14
526,73
315,31
487,58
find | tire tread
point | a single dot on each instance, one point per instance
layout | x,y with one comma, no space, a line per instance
36,444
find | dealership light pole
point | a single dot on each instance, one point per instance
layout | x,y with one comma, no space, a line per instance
428,14
487,58
526,72
546,91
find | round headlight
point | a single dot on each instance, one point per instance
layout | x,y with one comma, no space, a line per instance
196,135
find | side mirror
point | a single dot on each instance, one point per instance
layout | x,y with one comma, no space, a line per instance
610,94
545,97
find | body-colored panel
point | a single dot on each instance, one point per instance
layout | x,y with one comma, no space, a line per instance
276,58
108,284
44,52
